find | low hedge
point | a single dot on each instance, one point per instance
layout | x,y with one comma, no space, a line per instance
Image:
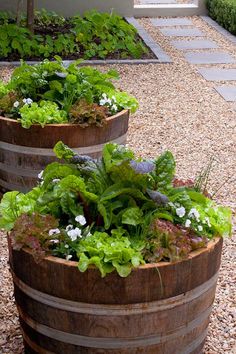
224,12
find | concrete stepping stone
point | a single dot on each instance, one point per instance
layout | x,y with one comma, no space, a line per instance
227,92
218,74
177,21
182,32
209,58
194,44
156,2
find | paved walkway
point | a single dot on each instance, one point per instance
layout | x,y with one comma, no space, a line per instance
185,37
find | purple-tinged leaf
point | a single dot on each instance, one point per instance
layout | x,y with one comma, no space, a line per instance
142,166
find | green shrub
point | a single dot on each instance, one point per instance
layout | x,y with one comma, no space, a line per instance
224,12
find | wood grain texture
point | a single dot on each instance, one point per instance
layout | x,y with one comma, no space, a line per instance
65,311
25,152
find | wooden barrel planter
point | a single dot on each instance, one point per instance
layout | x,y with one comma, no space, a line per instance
25,152
160,308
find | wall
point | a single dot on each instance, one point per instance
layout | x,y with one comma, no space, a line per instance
70,7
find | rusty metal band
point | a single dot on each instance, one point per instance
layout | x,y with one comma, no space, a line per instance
114,343
49,152
115,310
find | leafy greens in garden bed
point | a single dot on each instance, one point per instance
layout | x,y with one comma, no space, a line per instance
115,213
54,92
94,36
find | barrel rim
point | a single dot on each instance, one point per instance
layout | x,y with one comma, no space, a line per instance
108,119
194,254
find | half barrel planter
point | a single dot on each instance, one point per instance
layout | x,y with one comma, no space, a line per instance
26,152
160,308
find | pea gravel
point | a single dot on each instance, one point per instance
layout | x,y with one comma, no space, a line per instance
180,111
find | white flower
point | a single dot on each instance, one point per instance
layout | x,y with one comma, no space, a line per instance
68,257
16,104
66,246
40,175
187,223
180,211
114,107
55,180
113,98
200,228
69,227
27,101
104,96
54,241
80,219
53,232
207,221
194,213
102,102
74,234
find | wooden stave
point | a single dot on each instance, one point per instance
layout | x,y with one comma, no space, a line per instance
25,152
147,350
197,263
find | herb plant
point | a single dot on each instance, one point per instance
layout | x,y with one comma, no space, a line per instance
116,212
54,92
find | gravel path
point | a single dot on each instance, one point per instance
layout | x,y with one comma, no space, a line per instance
179,110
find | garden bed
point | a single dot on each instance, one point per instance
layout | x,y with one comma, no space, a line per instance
96,36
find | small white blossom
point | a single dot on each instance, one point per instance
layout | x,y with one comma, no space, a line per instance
54,232
102,102
114,107
180,211
200,228
66,246
113,98
194,213
69,227
68,257
187,223
54,241
55,180
40,175
80,219
74,234
16,104
207,221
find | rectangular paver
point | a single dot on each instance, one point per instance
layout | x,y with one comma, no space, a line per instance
194,44
177,21
182,32
214,74
227,92
209,58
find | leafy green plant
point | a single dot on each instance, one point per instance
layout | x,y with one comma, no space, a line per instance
111,212
95,35
45,18
102,34
224,12
45,112
52,92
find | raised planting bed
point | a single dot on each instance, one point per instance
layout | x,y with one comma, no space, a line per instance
24,153
48,102
160,308
94,36
114,255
